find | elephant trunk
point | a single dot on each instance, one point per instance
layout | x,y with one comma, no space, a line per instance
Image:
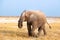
20,24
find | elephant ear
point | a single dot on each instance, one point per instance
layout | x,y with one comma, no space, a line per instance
27,13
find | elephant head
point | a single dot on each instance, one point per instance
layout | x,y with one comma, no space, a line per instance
21,19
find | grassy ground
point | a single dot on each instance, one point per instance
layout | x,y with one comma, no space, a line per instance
10,31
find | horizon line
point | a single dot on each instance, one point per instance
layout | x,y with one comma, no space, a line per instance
46,16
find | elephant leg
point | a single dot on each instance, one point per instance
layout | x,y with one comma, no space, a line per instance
33,33
33,29
44,30
29,29
39,30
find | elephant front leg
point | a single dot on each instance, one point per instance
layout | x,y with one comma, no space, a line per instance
32,31
29,29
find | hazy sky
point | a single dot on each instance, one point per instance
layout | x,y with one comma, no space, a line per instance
15,7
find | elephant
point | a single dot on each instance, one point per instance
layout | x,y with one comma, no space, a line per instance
35,19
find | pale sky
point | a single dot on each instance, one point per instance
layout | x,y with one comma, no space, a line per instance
15,7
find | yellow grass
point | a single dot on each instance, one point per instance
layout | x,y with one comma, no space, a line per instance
10,31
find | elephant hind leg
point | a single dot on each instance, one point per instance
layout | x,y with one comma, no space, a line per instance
41,28
44,30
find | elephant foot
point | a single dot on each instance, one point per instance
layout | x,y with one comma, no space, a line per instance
30,34
35,35
38,34
45,33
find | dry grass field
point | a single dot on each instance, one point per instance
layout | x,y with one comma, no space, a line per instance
10,31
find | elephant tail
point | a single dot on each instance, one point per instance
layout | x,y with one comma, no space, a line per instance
49,25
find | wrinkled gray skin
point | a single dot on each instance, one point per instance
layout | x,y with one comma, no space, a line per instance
35,19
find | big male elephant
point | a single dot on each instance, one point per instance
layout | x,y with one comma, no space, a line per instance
35,19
